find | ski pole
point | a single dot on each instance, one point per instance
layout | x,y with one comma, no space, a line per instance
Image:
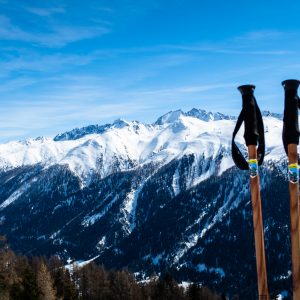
290,137
254,134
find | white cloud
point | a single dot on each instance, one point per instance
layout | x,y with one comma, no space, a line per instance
17,83
51,117
260,35
8,134
45,12
57,36
175,91
47,64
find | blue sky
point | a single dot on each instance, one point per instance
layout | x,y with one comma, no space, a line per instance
67,64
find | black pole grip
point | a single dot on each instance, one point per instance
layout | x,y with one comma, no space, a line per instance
254,128
251,134
290,134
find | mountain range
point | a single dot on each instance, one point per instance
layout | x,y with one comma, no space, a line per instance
151,198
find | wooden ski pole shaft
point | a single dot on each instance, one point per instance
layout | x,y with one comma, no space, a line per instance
258,231
294,211
290,137
254,135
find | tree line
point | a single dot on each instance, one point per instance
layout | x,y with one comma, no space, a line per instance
38,278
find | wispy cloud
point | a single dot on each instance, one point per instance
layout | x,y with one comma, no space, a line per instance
242,44
89,101
260,52
226,47
17,83
155,57
47,64
45,12
259,35
29,120
175,91
58,69
57,35
7,133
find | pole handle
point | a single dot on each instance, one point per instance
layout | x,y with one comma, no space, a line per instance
290,133
254,128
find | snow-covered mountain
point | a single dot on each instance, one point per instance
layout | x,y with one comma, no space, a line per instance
149,197
123,145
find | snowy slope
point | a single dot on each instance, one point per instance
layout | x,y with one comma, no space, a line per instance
149,196
128,145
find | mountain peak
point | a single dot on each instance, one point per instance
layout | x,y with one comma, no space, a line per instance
208,116
200,114
29,141
120,123
170,117
78,133
267,113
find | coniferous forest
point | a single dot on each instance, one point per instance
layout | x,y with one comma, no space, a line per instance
39,278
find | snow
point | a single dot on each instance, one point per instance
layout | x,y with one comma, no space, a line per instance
79,264
185,284
226,164
127,145
101,244
170,117
15,195
284,276
175,183
130,205
55,234
192,239
11,198
282,295
221,213
102,241
90,220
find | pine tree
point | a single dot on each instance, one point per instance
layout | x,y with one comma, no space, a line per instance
45,284
166,288
17,289
30,289
39,279
123,286
193,292
8,276
62,280
93,282
69,289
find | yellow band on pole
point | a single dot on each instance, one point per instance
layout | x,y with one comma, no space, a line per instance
294,173
253,167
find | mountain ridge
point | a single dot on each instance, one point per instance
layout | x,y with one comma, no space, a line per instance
149,198
125,145
172,116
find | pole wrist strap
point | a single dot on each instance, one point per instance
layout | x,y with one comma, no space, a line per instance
237,156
